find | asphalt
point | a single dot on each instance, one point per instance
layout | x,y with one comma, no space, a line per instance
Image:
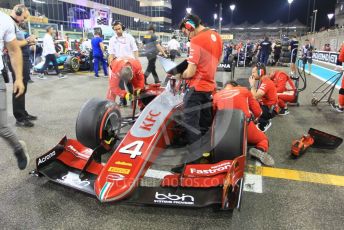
28,202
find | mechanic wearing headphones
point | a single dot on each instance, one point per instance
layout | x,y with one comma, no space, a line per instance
128,70
122,45
152,48
234,96
8,39
286,90
266,94
19,15
205,54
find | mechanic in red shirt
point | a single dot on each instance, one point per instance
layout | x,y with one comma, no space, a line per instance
340,106
205,53
286,90
234,96
266,94
130,70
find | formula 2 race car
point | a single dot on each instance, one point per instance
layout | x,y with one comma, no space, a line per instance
77,163
65,62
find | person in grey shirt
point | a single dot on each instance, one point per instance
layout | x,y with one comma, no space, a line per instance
152,47
8,40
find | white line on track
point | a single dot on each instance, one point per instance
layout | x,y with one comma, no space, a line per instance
253,183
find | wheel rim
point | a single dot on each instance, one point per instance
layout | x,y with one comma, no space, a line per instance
75,64
112,127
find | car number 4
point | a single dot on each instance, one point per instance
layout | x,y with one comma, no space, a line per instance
133,149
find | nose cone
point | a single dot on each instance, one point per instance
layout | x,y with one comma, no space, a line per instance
112,187
103,195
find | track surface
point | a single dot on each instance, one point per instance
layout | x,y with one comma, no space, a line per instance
30,203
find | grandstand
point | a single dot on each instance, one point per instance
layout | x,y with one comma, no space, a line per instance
257,31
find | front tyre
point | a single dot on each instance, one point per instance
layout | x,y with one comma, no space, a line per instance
98,123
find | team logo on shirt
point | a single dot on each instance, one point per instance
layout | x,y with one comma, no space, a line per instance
213,37
263,86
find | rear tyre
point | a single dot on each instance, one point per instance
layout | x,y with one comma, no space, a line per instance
98,122
229,138
72,64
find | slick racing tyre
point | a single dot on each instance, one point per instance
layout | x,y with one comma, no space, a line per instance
229,136
72,64
98,122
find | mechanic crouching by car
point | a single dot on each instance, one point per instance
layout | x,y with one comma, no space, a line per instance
266,94
130,71
234,96
205,54
286,90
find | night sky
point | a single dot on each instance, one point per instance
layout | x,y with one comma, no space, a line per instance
254,11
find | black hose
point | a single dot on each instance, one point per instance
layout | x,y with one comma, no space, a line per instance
301,75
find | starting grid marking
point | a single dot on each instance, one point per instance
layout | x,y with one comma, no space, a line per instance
255,173
295,175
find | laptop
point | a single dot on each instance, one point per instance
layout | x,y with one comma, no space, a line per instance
171,67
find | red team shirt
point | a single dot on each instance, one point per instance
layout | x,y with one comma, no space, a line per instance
283,82
138,80
237,98
267,85
205,53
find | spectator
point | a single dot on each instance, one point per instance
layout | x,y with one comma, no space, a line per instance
173,47
307,55
327,48
277,51
98,56
50,54
228,51
265,51
293,47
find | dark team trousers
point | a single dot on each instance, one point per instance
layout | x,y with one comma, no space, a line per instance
197,117
50,58
19,110
264,57
267,114
151,69
173,54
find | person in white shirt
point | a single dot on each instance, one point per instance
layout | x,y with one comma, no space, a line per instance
50,54
122,44
173,47
8,39
86,45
